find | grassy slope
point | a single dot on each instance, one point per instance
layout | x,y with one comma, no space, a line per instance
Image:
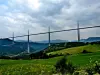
27,67
84,59
76,50
45,66
37,66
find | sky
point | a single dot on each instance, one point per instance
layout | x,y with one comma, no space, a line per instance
19,16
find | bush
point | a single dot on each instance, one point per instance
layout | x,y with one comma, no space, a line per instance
85,51
67,54
64,67
97,67
89,71
38,55
4,57
76,73
61,65
94,69
70,68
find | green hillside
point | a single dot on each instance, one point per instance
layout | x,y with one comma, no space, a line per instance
84,59
44,66
28,67
76,50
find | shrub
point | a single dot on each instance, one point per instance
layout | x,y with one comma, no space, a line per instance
64,67
85,51
4,57
67,54
70,68
61,65
89,71
76,73
97,67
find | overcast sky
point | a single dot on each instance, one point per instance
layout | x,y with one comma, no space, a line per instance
37,15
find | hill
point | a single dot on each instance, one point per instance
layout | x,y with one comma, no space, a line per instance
91,39
45,66
76,50
7,47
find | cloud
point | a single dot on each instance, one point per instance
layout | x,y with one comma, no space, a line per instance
37,15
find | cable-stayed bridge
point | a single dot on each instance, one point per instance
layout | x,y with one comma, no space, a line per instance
14,47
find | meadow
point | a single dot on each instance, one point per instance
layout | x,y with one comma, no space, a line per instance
46,66
77,50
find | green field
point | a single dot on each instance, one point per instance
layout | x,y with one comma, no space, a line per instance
46,66
76,50
27,67
84,59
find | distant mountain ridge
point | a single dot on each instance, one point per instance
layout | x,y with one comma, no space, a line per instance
7,47
91,39
54,41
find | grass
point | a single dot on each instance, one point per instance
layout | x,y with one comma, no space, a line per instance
27,67
76,50
84,60
46,66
